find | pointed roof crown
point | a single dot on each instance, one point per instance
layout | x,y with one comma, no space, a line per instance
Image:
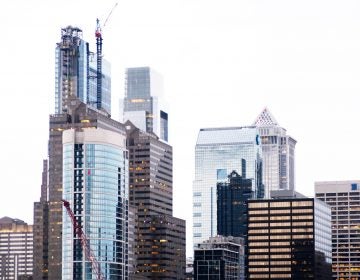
265,119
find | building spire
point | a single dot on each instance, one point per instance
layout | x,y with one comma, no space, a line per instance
265,119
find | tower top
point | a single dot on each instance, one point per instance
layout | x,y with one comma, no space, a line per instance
265,119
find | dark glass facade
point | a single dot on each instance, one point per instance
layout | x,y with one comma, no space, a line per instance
231,205
288,239
219,258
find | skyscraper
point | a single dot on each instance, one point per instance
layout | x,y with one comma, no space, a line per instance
289,237
78,116
231,205
16,249
75,72
95,182
159,237
143,101
218,152
344,200
278,151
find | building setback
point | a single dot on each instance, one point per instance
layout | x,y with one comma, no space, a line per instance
288,238
78,116
16,249
160,237
143,102
219,258
218,152
278,152
344,200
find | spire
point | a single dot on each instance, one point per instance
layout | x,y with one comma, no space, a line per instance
265,119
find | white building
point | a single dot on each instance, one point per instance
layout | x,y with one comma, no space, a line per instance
344,199
278,151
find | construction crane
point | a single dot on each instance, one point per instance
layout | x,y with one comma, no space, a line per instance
98,36
89,254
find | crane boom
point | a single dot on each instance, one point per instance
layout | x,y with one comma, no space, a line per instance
89,254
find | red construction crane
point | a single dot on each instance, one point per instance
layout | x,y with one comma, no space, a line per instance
99,39
89,254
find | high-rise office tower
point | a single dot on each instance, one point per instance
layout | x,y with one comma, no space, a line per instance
159,237
16,249
344,199
231,204
95,182
75,72
220,258
79,116
278,151
143,101
218,152
289,237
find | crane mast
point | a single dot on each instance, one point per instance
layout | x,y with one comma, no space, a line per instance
99,39
89,254
98,36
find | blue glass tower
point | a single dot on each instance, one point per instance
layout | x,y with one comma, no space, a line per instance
95,182
218,152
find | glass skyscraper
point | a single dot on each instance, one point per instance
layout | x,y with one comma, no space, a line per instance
218,152
278,151
95,182
75,72
143,102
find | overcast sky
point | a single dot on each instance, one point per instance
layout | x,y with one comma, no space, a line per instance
222,63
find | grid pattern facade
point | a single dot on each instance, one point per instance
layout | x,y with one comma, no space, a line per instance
219,258
159,238
344,199
288,239
95,182
16,249
218,152
161,248
143,90
278,150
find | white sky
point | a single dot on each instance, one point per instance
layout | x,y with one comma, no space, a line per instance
222,63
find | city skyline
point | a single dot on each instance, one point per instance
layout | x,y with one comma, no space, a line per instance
222,63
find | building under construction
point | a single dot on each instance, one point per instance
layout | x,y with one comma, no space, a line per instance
79,72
